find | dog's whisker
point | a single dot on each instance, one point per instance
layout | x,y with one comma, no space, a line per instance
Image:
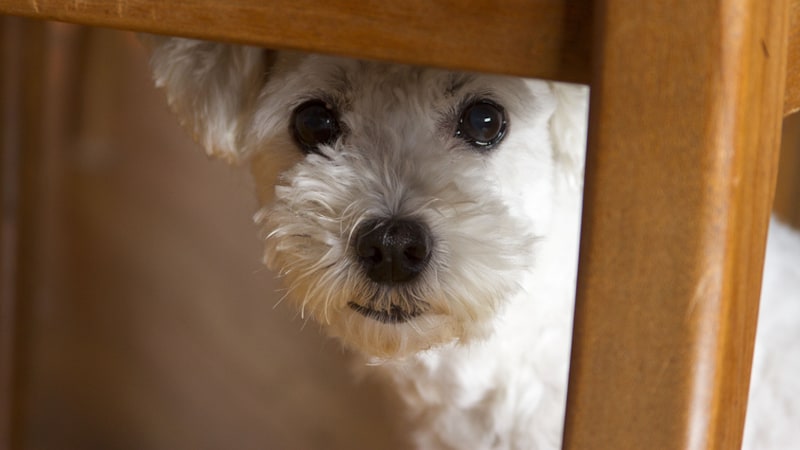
355,226
280,300
325,282
428,205
305,320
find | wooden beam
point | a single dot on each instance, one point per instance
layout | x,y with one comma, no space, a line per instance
534,38
543,38
682,161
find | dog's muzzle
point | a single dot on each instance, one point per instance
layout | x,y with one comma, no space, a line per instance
392,252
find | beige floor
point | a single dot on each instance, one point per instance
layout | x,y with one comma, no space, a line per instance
163,332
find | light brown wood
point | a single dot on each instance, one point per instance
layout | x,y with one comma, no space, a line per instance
792,96
685,122
543,38
534,38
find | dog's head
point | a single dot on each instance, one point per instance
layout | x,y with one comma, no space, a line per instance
401,205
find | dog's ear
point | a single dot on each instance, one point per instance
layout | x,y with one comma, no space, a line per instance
568,129
212,87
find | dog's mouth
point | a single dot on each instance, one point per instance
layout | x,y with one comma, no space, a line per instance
395,314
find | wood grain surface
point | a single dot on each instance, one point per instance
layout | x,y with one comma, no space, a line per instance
535,38
792,95
682,160
543,38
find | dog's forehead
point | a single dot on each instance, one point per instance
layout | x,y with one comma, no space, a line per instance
348,80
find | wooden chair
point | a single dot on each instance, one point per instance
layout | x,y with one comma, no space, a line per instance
687,102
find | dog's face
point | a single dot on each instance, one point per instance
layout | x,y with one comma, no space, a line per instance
401,205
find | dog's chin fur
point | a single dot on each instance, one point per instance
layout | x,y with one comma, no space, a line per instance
478,343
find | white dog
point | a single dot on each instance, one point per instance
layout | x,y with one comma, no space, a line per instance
429,220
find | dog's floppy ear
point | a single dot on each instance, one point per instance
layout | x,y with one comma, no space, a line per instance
568,129
211,86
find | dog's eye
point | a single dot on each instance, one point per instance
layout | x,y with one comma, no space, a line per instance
482,124
314,123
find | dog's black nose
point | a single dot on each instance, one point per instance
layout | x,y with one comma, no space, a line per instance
393,251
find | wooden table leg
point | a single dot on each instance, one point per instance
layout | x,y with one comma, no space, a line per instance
685,119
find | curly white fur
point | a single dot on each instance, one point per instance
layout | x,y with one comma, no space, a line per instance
485,365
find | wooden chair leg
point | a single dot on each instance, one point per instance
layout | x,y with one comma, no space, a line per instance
38,66
686,110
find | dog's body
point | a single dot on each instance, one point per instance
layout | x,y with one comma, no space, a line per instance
429,220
